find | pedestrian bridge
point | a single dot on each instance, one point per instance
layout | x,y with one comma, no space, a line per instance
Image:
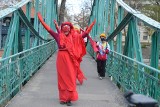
42,91
27,68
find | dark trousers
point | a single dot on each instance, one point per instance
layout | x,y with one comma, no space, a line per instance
101,67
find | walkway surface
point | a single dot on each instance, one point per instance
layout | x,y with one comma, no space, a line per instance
41,90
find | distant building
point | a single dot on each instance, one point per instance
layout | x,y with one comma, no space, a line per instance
6,22
144,36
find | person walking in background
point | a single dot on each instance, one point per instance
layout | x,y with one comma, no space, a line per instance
102,48
68,59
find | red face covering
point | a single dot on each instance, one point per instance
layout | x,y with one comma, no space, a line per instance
66,28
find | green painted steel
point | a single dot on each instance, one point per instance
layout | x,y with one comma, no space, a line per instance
101,17
136,40
155,49
119,36
41,29
112,21
133,46
15,73
120,27
9,45
128,70
128,42
100,13
106,16
7,39
27,34
20,60
29,25
36,42
146,20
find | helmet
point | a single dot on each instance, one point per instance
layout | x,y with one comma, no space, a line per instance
103,35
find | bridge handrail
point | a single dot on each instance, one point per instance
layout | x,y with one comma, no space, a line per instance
140,63
25,51
13,8
17,69
154,24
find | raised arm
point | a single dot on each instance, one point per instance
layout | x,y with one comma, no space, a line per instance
53,34
92,42
85,33
56,25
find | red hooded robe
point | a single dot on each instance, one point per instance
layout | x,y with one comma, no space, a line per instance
68,59
68,64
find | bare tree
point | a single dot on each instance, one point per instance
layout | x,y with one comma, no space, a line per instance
62,11
88,4
83,17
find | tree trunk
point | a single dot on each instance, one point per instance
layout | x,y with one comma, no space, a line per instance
62,11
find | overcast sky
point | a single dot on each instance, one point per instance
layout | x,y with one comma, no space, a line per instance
74,6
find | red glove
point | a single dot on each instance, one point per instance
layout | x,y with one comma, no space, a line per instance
90,27
56,25
42,21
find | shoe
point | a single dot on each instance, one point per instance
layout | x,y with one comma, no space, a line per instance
100,78
98,75
62,102
69,103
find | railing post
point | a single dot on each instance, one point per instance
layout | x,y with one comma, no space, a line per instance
119,36
155,49
106,16
35,43
112,22
27,33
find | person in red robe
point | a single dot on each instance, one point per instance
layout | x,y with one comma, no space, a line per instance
68,58
81,50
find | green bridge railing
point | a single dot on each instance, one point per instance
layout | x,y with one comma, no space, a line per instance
27,44
16,70
125,62
133,75
130,74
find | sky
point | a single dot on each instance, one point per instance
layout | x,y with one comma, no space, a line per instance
8,2
74,6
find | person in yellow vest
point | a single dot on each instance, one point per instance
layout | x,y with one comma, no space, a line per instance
103,49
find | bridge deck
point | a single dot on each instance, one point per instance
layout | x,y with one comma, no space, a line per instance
41,90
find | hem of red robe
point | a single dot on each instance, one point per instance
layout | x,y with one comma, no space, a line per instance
65,95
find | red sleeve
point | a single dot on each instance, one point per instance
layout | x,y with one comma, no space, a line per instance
53,34
85,33
56,25
90,27
93,44
107,51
